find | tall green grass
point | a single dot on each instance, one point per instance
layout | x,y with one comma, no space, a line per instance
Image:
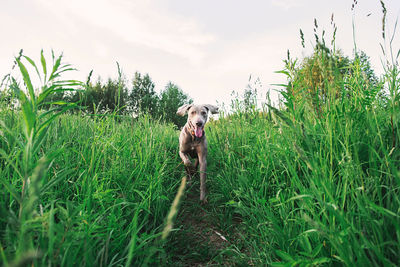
102,200
316,182
80,190
311,192
313,182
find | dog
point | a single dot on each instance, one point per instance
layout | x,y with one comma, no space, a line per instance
193,142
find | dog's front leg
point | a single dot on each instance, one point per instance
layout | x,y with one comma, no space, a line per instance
187,163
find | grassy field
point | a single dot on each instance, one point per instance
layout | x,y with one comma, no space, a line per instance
313,182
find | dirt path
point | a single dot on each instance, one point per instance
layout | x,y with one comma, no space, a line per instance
199,241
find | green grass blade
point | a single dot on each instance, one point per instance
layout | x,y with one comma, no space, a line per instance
132,243
28,114
56,66
10,188
44,67
27,81
45,93
34,65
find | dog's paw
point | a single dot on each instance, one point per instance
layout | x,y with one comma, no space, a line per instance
192,171
203,198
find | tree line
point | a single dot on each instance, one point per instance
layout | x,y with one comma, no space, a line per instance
120,96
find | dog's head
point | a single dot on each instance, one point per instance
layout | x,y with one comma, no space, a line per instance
197,116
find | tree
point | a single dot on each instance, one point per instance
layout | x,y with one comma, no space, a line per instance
319,77
6,98
361,84
114,95
143,98
171,98
327,76
111,96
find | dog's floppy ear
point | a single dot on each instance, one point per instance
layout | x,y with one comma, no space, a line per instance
213,109
184,109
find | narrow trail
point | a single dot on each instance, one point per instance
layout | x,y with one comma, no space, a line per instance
199,241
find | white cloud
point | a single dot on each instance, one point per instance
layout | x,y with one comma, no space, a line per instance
286,4
139,23
229,67
172,44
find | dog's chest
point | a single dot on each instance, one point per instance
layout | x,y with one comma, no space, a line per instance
192,148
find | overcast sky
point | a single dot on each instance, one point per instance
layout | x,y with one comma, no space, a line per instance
208,48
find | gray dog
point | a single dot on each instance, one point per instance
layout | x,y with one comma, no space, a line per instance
193,143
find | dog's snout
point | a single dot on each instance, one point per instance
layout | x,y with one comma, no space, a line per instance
199,124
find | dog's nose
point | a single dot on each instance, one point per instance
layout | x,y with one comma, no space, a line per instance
199,124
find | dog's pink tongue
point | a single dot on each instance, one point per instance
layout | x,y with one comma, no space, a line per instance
198,132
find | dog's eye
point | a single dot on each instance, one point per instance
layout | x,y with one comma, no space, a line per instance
203,113
193,112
